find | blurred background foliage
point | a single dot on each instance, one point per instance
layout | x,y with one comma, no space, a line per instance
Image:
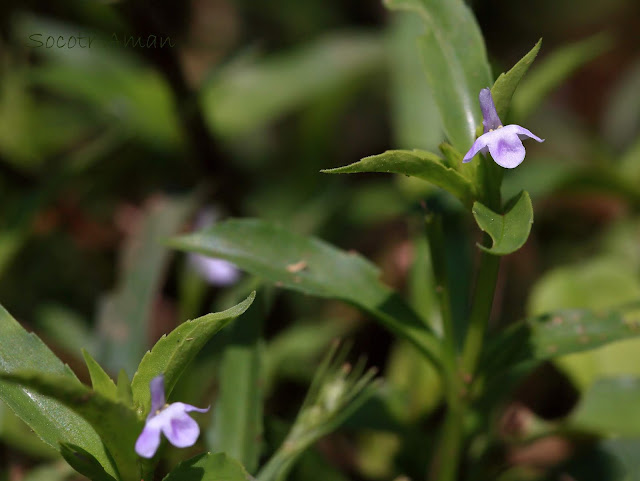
104,151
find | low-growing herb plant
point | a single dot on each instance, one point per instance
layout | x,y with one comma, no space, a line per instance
114,430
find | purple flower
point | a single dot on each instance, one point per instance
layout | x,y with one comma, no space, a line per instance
171,419
217,272
503,143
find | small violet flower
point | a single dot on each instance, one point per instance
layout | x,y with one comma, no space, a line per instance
171,419
217,272
503,143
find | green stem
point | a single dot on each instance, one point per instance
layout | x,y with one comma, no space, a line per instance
446,461
480,312
435,234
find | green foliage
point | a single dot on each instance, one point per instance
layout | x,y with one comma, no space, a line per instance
554,69
595,412
509,231
237,420
50,418
245,96
602,283
173,352
507,83
117,424
416,121
559,333
100,380
416,163
337,390
125,314
84,463
455,62
310,266
209,466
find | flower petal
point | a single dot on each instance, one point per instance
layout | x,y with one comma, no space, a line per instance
148,441
480,145
181,430
523,133
490,118
188,408
157,394
217,272
506,148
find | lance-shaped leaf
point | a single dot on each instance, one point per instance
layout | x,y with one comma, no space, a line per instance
559,333
248,95
506,84
610,407
237,421
509,231
209,467
416,163
311,266
554,69
125,313
49,418
100,380
455,62
117,424
173,352
84,463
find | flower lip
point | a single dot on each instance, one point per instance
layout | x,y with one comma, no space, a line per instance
172,420
504,143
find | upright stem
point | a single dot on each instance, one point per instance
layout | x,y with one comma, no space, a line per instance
446,461
437,251
480,312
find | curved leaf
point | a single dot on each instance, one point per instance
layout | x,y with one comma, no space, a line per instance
124,314
174,351
50,419
509,231
455,62
84,463
246,95
416,163
555,68
559,333
117,424
506,84
237,417
311,266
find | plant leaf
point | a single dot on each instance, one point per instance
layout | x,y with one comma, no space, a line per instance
237,422
416,163
84,463
610,407
509,231
456,64
601,284
100,380
174,351
125,313
415,116
50,419
559,333
554,69
506,84
205,467
311,266
245,96
117,424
